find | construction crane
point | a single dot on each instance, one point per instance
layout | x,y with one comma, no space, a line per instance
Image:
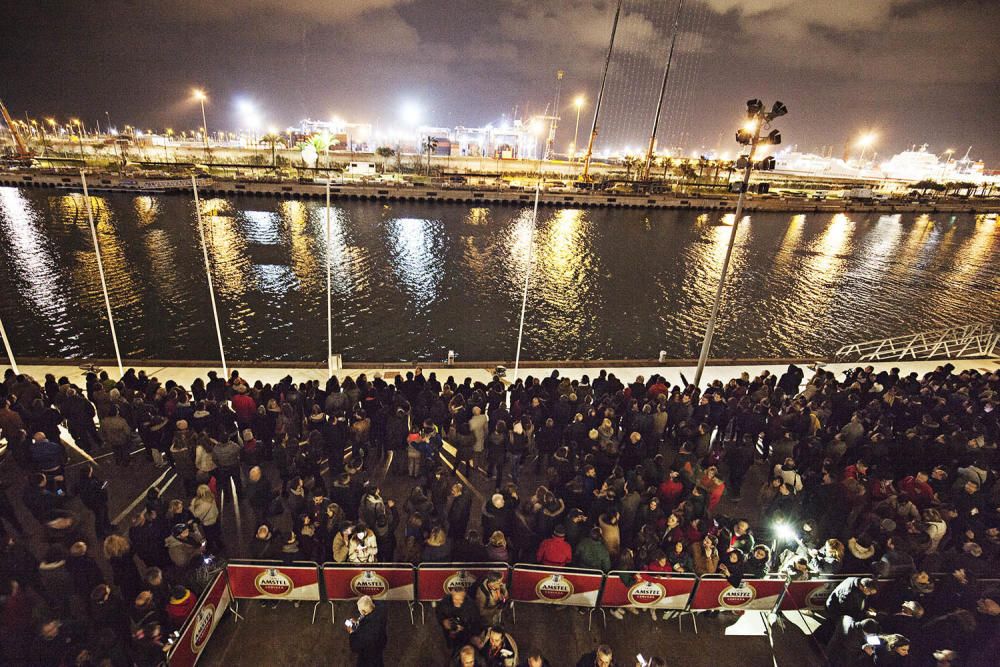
22,150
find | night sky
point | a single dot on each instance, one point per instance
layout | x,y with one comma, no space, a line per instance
913,71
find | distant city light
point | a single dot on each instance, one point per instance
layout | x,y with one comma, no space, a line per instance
249,115
867,139
578,102
410,113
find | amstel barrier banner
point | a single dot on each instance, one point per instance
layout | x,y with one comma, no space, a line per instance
648,590
565,585
435,580
382,581
714,592
200,625
273,580
808,595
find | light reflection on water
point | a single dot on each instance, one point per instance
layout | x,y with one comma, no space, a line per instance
413,280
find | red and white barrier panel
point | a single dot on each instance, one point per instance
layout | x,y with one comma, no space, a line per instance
200,626
272,580
566,585
648,590
435,580
382,581
808,595
714,592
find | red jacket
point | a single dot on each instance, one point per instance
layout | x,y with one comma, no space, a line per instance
670,492
245,408
179,610
920,493
554,551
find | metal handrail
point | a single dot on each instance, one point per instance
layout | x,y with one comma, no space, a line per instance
968,341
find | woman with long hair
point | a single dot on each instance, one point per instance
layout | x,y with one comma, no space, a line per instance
206,510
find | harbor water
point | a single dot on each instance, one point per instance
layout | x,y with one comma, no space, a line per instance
413,280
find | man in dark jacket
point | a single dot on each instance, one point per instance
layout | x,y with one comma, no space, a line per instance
600,657
458,617
459,510
850,598
368,634
80,413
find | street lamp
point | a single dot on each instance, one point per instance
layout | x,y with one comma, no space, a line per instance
578,103
75,122
201,97
757,119
947,160
864,141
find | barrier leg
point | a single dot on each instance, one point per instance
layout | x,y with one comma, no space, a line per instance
315,609
333,612
410,605
513,613
234,607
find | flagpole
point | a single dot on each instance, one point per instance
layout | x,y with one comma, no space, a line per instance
527,278
100,270
208,275
329,280
10,352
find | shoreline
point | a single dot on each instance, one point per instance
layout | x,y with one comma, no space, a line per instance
713,371
466,195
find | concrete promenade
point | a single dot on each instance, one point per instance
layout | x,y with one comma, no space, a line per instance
185,374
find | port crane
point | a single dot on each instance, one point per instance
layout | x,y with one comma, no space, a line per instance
22,152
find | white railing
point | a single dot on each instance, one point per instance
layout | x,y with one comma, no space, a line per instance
970,341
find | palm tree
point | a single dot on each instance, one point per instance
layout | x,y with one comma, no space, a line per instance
385,153
630,162
687,171
322,143
273,138
666,164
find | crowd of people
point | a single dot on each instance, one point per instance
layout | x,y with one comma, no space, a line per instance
881,475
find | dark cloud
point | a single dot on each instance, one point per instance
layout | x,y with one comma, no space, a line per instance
916,70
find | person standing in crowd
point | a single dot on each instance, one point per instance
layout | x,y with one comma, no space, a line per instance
458,617
602,656
368,633
873,471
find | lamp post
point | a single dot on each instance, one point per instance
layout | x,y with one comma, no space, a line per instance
578,103
749,135
75,122
200,96
864,142
947,160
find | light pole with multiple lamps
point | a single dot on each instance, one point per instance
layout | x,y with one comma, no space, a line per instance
748,135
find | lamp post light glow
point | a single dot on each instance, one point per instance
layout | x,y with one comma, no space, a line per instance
410,114
864,142
200,96
75,122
